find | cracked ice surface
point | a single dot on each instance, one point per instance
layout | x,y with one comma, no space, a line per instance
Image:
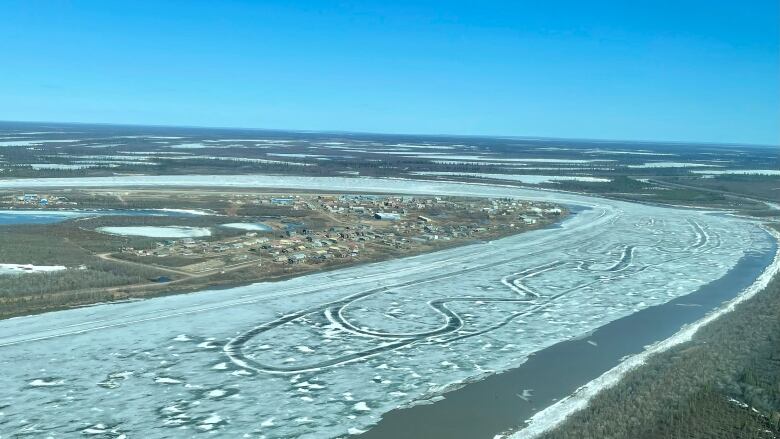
326,354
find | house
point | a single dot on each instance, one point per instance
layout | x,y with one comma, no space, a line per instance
527,219
296,258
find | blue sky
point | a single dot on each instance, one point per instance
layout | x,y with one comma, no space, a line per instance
654,70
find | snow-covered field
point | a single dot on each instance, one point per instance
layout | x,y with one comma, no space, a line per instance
623,152
34,142
39,166
158,231
325,354
675,165
20,143
28,268
527,179
739,172
499,159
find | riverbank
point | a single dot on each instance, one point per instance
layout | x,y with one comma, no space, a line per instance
719,382
571,280
498,403
240,275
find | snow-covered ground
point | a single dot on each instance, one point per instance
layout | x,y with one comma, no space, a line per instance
195,212
196,145
675,165
527,179
495,158
294,155
238,159
624,152
158,231
328,353
39,166
739,172
35,142
20,143
28,268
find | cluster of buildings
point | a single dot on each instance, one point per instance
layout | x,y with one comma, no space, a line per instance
43,200
351,225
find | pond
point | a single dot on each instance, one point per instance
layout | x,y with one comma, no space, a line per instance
249,227
51,216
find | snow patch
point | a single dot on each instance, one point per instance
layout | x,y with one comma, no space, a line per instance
158,231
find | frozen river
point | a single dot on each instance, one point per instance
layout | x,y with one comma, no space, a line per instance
325,355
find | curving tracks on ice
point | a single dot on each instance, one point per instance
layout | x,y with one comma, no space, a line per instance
328,353
614,265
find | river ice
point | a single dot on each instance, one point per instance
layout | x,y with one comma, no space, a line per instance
324,355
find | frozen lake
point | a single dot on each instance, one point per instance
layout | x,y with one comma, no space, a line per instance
158,231
52,216
249,227
327,354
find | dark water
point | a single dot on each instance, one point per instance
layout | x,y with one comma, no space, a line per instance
12,219
9,217
485,408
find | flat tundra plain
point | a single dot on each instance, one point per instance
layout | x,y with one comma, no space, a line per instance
325,355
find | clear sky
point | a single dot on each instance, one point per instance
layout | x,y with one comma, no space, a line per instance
660,70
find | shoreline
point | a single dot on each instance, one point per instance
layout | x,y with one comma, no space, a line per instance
585,335
522,391
556,414
155,290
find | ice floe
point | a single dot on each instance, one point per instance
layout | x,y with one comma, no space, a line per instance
46,382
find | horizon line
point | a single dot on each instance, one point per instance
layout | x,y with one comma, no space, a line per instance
484,136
